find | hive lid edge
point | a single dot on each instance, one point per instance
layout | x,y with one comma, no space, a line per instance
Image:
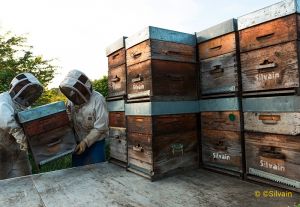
39,112
115,46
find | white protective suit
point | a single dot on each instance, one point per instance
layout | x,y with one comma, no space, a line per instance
24,90
87,108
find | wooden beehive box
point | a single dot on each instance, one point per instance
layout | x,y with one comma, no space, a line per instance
269,45
117,132
48,132
116,55
272,139
221,135
218,53
161,66
162,137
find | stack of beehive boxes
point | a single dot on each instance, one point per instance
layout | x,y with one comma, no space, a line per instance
116,54
162,102
220,104
270,72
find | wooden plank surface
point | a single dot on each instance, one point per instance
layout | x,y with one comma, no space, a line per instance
279,123
270,68
117,81
109,185
117,58
218,46
219,74
270,33
273,153
160,50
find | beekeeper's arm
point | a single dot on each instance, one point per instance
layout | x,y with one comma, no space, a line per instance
9,124
100,129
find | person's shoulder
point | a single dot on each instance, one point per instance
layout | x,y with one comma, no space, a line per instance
97,95
5,97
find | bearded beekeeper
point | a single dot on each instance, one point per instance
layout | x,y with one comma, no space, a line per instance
88,111
24,90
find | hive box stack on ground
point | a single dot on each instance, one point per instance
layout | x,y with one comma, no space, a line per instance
162,102
220,104
161,66
269,46
272,134
117,84
117,133
218,54
270,80
221,135
162,137
48,132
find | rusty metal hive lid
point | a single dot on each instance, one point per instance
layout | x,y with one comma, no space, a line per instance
268,13
156,33
217,30
117,45
41,111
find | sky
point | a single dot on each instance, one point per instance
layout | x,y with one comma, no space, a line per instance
76,32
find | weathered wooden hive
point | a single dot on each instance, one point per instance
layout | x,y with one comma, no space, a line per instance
116,55
162,137
161,66
48,132
269,45
218,54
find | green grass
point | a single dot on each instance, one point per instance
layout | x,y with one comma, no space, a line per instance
61,163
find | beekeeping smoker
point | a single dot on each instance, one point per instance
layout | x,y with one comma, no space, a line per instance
88,111
24,90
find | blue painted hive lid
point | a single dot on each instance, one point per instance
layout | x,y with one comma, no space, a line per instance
156,33
41,111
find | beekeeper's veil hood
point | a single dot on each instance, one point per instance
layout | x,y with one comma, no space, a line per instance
76,87
25,89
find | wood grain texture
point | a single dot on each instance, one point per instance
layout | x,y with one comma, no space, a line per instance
117,119
171,124
222,149
166,159
140,148
46,124
117,81
139,77
270,68
273,153
270,33
117,58
165,80
278,123
221,120
139,124
217,46
219,74
160,50
174,81
118,143
162,124
52,144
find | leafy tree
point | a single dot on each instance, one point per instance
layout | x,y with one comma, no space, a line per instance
101,85
17,57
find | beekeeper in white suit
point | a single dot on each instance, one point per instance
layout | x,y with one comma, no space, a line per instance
88,111
24,90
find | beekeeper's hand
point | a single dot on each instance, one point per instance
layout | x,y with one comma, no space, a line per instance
80,148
